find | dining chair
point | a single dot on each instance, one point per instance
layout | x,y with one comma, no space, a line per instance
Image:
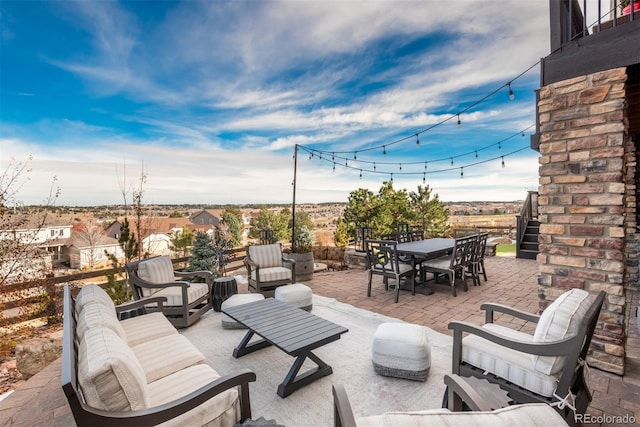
452,265
383,260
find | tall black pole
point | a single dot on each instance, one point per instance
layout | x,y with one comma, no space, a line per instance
293,205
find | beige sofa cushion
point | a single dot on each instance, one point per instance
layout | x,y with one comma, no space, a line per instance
266,255
512,365
90,294
156,270
529,415
109,374
174,293
98,316
166,355
221,410
148,327
271,274
560,320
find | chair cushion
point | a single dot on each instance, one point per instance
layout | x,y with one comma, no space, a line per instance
512,365
90,294
109,373
266,255
221,410
98,316
529,415
272,274
166,355
156,270
148,327
174,293
560,320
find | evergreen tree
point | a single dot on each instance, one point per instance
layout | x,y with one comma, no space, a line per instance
203,255
235,228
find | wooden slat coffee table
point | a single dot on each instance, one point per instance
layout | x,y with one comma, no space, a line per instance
291,329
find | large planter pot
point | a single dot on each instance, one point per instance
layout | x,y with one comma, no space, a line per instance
304,266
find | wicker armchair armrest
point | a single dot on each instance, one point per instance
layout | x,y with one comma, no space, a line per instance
132,305
156,415
491,308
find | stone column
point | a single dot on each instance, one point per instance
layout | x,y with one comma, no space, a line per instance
582,199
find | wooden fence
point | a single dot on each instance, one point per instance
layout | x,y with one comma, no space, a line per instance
24,294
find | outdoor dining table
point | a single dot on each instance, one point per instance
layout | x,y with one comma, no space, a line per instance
421,250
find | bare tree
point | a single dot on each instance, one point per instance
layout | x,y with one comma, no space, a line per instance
19,226
91,235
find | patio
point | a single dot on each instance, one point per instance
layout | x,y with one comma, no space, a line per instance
40,400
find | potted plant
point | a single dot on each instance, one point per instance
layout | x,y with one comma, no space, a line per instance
303,255
625,5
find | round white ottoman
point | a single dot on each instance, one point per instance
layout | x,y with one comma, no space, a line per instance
401,350
232,301
297,294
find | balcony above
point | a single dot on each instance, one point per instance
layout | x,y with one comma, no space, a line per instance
579,47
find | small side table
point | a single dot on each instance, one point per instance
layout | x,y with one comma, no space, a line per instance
223,288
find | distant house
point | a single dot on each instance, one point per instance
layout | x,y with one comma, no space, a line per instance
51,236
84,252
157,244
207,217
156,232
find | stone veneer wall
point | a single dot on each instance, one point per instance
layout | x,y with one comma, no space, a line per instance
584,203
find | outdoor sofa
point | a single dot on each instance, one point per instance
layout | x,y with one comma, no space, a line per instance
141,371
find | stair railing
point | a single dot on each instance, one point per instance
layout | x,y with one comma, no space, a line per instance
528,213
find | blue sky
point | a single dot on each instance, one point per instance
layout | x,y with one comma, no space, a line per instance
211,97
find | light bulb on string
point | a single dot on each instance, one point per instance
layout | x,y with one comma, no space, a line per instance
511,94
502,161
424,177
523,134
346,162
384,150
461,171
374,165
417,140
355,155
333,157
452,161
459,122
334,166
310,155
360,173
391,177
500,146
400,166
476,154
425,166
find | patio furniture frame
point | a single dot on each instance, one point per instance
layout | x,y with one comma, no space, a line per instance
574,349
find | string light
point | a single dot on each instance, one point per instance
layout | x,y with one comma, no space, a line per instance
502,161
384,150
461,171
355,157
334,166
391,177
476,154
452,161
360,173
511,94
346,162
425,166
417,140
311,155
374,165
459,123
424,177
500,146
400,166
333,157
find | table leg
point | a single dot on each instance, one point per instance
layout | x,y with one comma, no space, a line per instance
293,381
245,348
